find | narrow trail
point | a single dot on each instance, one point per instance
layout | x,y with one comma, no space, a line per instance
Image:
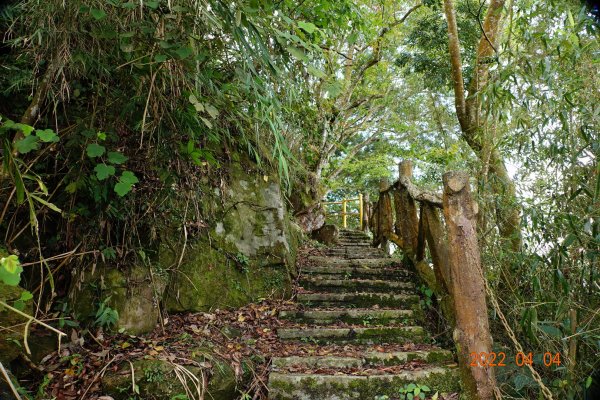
358,297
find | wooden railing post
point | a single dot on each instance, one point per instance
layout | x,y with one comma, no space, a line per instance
360,211
471,334
366,212
344,216
407,222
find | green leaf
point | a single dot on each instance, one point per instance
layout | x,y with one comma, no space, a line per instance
411,387
95,150
103,171
151,4
208,124
26,295
46,203
160,58
212,111
316,72
297,53
425,388
183,52
410,396
122,188
27,144
116,158
588,382
551,330
309,27
128,177
334,88
47,135
97,14
26,129
101,135
10,270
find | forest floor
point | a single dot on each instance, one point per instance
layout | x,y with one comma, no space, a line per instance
245,338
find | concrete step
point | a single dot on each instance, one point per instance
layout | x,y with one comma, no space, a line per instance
320,283
366,359
355,251
351,316
283,386
359,300
332,272
368,335
357,243
356,262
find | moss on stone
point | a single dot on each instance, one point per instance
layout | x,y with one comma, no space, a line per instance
8,349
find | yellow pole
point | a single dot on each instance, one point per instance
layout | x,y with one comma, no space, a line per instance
360,210
344,223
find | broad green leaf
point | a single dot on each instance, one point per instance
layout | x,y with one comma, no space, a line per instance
101,135
10,270
334,88
212,111
425,388
151,4
27,144
208,124
588,382
316,72
551,330
411,387
160,58
26,129
309,27
26,295
103,171
116,157
297,53
95,150
183,52
122,188
128,177
97,14
47,135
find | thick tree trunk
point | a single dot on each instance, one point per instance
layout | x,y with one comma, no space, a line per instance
471,334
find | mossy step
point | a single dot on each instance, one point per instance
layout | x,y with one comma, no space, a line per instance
350,316
366,359
355,252
284,386
359,300
371,335
354,243
357,262
354,285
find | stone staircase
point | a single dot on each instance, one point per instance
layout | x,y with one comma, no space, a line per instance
360,299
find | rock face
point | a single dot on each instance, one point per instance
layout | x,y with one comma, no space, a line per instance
248,253
157,379
8,319
245,250
133,293
327,234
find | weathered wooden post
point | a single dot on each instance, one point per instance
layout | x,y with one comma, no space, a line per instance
360,211
366,212
472,333
385,218
407,222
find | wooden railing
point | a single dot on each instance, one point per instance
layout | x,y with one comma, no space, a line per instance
344,213
410,218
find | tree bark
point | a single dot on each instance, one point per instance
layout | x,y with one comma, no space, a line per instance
471,334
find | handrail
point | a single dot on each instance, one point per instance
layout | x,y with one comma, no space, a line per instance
409,217
344,214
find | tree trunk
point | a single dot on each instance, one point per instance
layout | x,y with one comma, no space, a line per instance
471,334
468,110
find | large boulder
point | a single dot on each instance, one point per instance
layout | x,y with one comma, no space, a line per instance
248,253
327,234
157,380
12,323
134,293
